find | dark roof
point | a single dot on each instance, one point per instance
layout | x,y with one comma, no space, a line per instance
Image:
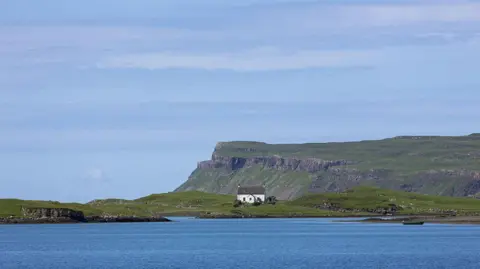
251,190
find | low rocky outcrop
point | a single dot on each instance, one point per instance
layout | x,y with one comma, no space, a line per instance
389,210
101,219
23,220
66,215
256,216
45,215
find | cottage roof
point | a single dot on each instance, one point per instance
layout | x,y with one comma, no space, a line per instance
251,190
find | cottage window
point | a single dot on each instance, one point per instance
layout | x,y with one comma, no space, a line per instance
244,199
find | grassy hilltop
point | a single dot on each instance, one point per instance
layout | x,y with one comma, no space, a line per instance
357,201
192,203
406,153
436,165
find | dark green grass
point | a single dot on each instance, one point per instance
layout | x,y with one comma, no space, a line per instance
371,198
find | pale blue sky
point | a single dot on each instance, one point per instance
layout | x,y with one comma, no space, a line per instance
122,98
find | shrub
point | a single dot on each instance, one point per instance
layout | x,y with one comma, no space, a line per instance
271,200
237,203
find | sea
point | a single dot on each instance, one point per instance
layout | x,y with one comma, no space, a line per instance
240,243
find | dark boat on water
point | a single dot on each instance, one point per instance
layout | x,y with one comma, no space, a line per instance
413,222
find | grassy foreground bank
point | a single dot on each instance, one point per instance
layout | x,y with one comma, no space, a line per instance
360,201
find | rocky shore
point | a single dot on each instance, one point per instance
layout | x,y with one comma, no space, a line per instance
22,220
252,216
99,219
426,219
90,219
65,215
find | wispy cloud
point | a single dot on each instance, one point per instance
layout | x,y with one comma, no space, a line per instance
340,18
260,59
271,59
309,34
398,14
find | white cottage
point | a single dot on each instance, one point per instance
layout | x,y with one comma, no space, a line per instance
250,194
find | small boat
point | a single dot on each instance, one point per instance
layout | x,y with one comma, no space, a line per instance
413,222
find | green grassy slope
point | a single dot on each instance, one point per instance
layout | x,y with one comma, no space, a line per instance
198,203
169,204
404,153
436,165
362,198
195,203
286,185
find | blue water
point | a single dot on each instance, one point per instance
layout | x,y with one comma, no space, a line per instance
245,243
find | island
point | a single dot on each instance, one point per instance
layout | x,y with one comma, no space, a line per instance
431,178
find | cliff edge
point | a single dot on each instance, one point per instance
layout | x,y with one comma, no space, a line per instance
439,165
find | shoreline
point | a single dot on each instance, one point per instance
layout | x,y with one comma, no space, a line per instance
86,220
366,218
279,217
468,220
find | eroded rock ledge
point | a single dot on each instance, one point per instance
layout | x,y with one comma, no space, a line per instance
66,215
53,213
310,165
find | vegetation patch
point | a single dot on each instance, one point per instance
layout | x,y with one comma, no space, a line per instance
356,201
367,199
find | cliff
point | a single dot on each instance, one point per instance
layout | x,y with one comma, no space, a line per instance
65,215
439,165
60,214
45,215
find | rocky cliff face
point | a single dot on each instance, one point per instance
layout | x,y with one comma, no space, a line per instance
66,215
430,165
310,165
45,215
434,182
284,177
53,213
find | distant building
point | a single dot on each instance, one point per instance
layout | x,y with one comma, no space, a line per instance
251,194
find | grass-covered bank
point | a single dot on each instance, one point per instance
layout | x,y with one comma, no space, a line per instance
366,199
360,201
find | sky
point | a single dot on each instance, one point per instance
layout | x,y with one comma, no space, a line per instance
103,98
